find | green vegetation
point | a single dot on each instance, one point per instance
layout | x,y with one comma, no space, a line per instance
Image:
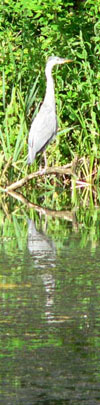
29,33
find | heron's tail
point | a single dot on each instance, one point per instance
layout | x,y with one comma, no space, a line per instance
29,160
31,156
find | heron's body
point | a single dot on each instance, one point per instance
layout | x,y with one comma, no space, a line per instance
44,126
41,125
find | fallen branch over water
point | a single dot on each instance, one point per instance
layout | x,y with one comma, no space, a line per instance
66,169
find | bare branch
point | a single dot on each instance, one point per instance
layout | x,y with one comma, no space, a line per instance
66,169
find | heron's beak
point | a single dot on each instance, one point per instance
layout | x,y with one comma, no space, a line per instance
67,60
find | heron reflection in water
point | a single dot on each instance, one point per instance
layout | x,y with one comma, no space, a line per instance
44,126
43,252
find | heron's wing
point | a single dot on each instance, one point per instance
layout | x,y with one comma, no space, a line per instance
43,128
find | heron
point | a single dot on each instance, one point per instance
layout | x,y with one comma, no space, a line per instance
44,126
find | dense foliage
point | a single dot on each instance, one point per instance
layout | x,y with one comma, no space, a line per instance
29,33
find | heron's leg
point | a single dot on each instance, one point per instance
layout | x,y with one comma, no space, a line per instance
40,165
45,163
45,159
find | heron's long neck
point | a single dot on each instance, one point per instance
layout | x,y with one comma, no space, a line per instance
49,96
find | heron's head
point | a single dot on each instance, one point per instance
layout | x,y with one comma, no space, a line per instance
55,60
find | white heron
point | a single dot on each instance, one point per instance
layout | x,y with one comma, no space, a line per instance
44,125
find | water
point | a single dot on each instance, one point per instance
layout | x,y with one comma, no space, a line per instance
49,312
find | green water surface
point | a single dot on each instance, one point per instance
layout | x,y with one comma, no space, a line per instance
49,310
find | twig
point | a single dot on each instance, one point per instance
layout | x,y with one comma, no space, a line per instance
81,183
6,166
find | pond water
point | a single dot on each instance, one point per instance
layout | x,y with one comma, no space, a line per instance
49,312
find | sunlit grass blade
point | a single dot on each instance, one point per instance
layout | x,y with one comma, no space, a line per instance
3,88
32,96
66,130
19,143
80,118
7,140
4,147
18,150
